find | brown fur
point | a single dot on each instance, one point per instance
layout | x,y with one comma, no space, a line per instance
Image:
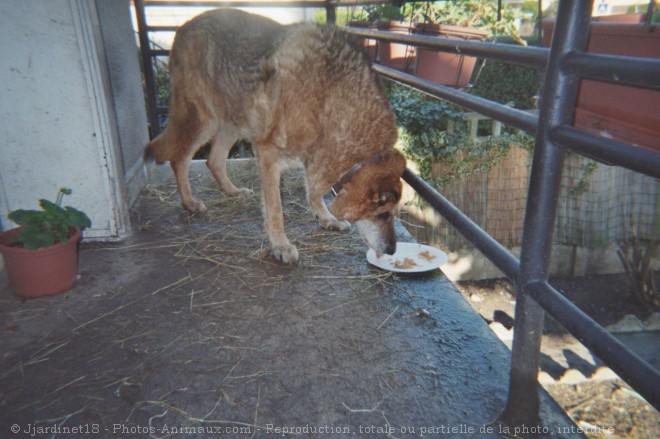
300,93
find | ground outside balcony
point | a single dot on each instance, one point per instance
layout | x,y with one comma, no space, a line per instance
189,329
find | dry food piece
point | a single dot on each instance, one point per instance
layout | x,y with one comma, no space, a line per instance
426,255
406,264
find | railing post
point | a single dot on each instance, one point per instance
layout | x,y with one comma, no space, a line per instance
330,12
557,106
148,69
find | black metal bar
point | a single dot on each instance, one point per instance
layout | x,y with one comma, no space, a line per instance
171,28
624,362
147,67
493,250
330,12
158,52
609,349
625,70
510,116
642,72
608,151
559,96
366,2
529,56
237,3
649,14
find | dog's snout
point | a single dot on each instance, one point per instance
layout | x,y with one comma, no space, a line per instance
378,235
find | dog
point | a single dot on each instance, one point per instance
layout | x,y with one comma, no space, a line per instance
302,93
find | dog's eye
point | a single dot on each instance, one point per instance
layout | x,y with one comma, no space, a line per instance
387,197
383,216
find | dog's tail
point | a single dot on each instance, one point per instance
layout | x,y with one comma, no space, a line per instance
156,150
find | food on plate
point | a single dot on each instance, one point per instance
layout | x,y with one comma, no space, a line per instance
409,258
426,256
405,264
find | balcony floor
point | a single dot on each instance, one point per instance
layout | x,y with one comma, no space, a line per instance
189,324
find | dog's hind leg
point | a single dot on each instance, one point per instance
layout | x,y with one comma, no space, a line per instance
217,163
189,133
181,173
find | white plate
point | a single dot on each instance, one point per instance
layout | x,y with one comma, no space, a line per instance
410,257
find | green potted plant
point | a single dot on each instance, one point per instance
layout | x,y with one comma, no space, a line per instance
41,255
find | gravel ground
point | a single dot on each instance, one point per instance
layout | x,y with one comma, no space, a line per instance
604,409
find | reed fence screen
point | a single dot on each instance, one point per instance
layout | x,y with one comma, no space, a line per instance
596,205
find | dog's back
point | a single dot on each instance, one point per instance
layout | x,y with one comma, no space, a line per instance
214,68
330,102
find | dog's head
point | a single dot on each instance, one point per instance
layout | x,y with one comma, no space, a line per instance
369,198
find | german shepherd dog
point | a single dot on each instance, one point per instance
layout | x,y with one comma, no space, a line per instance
302,93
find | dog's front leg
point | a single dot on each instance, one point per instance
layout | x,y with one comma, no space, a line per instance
323,215
270,171
315,192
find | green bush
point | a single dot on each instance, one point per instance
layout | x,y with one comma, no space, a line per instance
508,84
431,131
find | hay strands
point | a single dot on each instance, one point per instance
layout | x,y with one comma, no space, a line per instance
184,280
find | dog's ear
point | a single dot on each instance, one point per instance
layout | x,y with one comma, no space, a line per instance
373,186
386,187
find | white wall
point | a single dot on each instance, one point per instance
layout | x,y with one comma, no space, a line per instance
126,84
58,117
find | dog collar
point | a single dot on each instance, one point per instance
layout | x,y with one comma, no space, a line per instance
339,185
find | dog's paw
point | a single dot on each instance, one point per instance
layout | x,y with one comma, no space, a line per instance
194,206
287,254
242,192
334,224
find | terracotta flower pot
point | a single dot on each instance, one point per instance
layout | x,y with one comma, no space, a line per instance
396,55
370,46
451,69
627,114
41,272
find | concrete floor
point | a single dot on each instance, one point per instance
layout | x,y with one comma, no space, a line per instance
189,329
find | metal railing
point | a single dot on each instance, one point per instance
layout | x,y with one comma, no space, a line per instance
565,63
